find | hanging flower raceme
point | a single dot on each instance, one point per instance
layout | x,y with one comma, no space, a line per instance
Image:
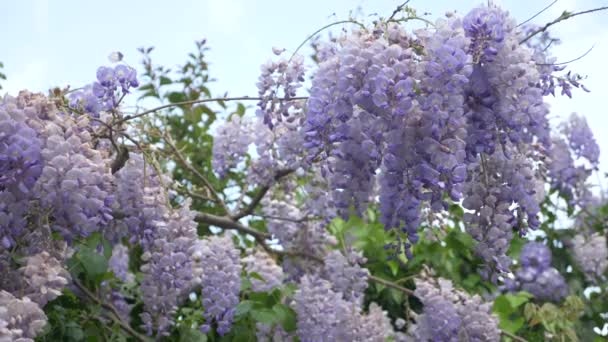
574,155
20,319
103,95
450,314
591,254
168,269
218,259
536,275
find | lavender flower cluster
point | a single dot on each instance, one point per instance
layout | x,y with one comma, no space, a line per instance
452,315
168,269
219,261
276,132
417,114
346,275
102,95
536,275
493,185
591,254
267,268
141,199
20,319
324,315
280,80
575,155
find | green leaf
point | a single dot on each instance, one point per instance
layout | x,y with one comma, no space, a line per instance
257,276
502,306
286,316
265,316
240,109
191,335
243,308
175,97
512,326
164,80
394,266
94,264
145,87
518,299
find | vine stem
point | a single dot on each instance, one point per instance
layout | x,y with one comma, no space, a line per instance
214,99
115,315
182,160
564,16
319,31
392,285
513,336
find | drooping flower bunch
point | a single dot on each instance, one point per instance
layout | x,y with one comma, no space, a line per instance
574,157
220,281
266,267
20,319
346,275
419,114
103,94
452,315
168,269
324,315
591,254
57,187
536,275
276,132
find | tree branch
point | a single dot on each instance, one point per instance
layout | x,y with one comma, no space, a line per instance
228,223
566,15
397,10
513,336
124,326
195,172
248,210
215,99
537,14
392,285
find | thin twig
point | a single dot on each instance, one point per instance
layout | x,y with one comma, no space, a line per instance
564,16
126,327
314,34
195,172
537,14
572,60
228,223
287,219
392,285
397,10
513,336
183,103
193,194
248,210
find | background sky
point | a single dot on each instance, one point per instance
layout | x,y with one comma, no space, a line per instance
56,43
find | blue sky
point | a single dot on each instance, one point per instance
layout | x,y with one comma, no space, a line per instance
47,43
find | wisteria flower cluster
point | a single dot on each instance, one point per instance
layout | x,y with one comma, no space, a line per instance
591,254
536,275
452,315
103,95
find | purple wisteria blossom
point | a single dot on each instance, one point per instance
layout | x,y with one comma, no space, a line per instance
219,261
536,275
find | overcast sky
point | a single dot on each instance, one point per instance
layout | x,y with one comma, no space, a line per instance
47,43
